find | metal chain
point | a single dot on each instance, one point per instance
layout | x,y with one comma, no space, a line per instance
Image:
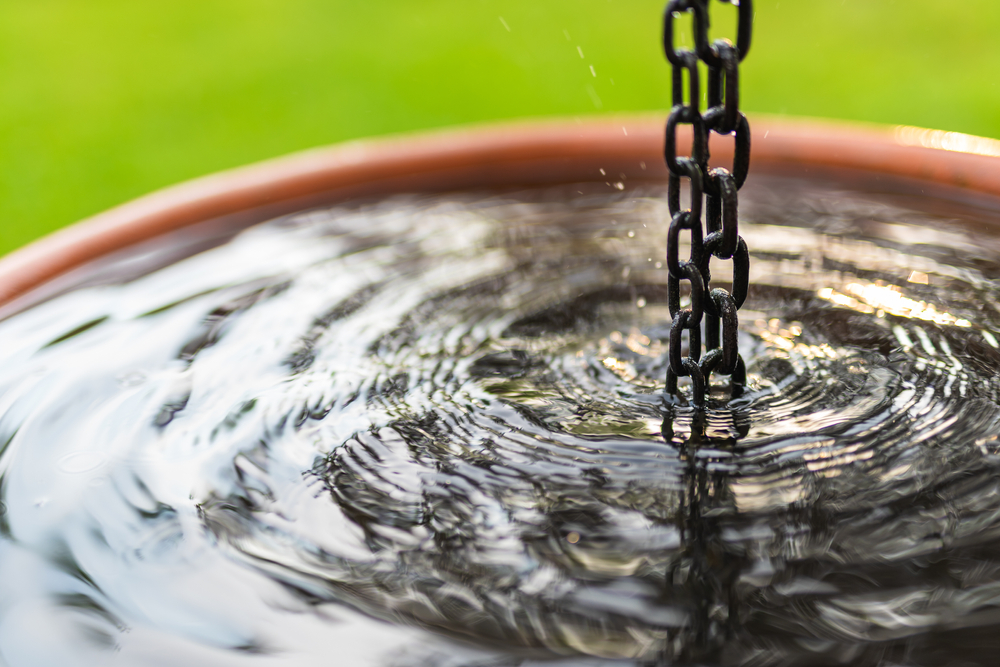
713,307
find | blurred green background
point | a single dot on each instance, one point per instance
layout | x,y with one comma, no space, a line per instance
104,100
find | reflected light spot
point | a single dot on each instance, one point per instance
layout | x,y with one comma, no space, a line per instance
869,298
949,141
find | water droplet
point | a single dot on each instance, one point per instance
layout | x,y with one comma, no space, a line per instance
594,97
80,462
132,379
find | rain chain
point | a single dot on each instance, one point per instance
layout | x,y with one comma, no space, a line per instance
713,191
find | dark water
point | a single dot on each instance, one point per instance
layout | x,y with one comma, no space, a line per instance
430,432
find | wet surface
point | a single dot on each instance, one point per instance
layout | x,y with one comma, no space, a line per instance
430,432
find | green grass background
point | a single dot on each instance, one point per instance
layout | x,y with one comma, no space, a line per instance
104,100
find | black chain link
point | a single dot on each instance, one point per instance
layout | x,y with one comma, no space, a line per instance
714,308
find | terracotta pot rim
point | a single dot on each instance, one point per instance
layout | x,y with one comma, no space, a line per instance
614,149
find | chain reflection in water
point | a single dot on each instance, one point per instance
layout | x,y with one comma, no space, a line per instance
707,573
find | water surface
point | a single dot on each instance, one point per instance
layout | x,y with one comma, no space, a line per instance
430,431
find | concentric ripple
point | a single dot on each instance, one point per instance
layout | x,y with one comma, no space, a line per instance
431,432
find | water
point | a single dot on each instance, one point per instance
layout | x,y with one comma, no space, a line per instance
429,432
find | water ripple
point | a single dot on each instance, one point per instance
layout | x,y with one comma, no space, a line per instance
392,426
